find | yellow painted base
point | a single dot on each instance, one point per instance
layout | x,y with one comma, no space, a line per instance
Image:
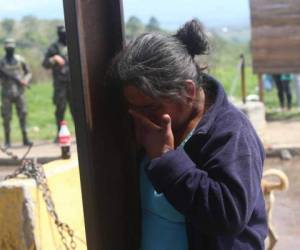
24,220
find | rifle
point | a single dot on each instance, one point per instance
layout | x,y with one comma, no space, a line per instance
5,74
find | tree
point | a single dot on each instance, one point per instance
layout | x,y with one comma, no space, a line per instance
134,27
30,23
8,25
153,25
30,29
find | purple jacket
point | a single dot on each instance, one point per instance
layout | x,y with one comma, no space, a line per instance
215,180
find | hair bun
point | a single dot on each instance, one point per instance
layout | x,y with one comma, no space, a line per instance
193,37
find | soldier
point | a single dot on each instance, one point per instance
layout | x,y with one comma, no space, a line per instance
15,76
56,58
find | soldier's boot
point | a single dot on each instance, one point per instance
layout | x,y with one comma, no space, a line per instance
7,138
26,141
6,126
58,121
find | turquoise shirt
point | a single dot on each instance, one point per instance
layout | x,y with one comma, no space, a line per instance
163,227
286,77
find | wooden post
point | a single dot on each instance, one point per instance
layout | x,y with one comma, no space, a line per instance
275,42
261,88
243,82
107,165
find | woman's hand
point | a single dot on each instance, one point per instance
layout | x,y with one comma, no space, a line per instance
156,139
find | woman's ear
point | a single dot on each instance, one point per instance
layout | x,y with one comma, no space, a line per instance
190,89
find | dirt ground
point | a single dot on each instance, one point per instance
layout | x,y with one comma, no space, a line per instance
282,133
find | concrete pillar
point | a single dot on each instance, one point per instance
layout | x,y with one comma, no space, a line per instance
255,111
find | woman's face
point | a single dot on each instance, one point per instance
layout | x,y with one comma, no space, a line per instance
154,108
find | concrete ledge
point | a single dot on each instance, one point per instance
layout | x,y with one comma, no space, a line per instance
43,151
41,160
276,151
24,219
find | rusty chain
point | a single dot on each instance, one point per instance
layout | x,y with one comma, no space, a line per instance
31,169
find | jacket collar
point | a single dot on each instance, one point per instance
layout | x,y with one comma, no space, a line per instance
210,115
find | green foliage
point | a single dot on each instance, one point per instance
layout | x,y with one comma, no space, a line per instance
153,25
134,27
33,36
8,25
226,52
275,115
230,77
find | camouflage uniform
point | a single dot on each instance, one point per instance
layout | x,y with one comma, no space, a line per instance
13,92
61,80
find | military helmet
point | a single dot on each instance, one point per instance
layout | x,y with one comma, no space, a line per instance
9,43
61,28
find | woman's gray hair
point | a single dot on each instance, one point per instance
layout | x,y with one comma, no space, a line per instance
158,64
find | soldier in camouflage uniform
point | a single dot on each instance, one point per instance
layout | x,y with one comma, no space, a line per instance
56,58
14,77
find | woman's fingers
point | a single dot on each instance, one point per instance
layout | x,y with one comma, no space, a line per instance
166,122
156,139
143,120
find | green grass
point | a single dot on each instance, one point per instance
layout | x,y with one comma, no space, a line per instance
230,79
40,117
275,115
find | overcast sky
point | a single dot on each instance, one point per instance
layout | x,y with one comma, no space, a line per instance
170,13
